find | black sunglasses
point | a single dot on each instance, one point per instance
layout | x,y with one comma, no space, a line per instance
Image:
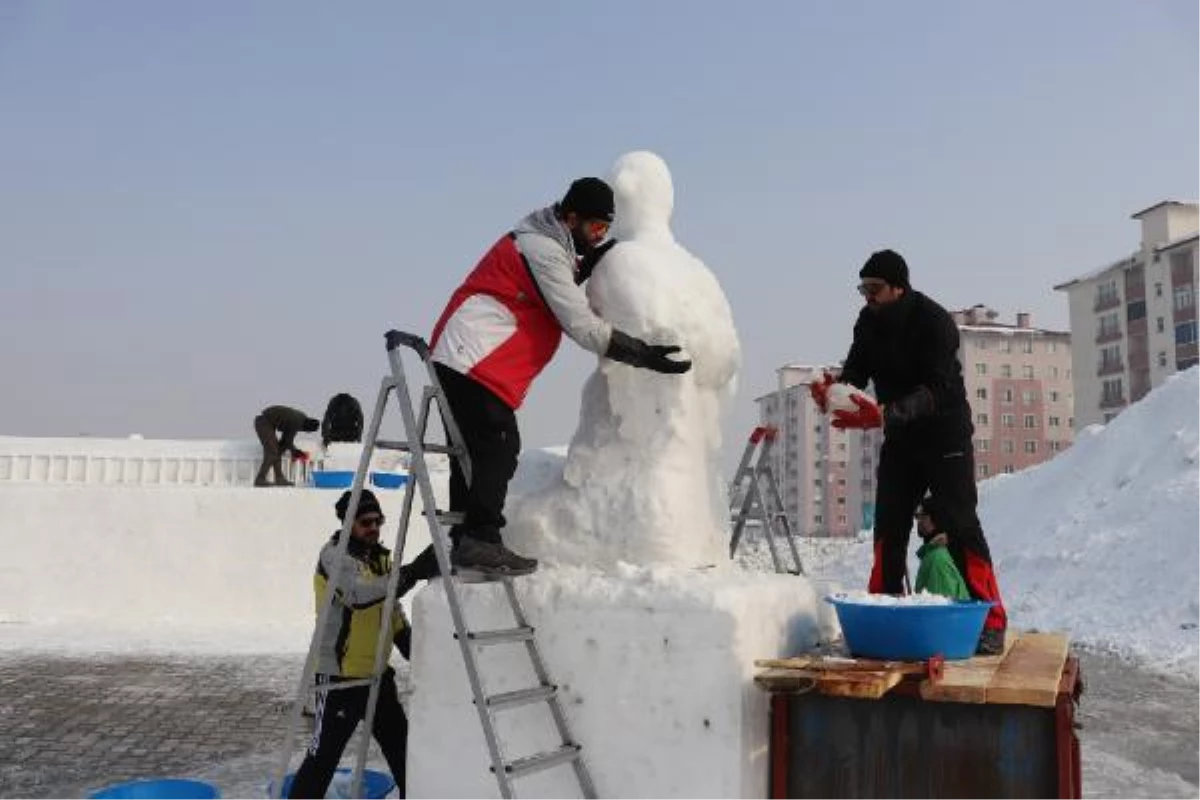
871,289
370,522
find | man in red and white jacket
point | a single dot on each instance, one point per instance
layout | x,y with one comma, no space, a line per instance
499,331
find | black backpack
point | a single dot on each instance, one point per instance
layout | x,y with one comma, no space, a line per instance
343,420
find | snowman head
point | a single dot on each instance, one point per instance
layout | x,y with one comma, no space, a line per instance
644,193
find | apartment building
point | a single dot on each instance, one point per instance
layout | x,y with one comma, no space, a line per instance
1018,381
1133,321
826,476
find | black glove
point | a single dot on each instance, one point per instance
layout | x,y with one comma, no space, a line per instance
636,353
914,405
590,260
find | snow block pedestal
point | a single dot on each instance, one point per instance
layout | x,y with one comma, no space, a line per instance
655,672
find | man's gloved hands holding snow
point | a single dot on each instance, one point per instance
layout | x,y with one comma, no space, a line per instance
819,389
866,416
636,353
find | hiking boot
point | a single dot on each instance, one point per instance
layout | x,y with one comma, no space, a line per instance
487,558
991,642
284,482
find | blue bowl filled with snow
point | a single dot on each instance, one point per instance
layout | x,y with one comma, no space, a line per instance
327,479
388,480
909,628
375,785
163,787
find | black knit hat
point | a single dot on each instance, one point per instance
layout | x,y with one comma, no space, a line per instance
590,198
366,504
887,265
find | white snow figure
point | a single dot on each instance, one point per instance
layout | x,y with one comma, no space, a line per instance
642,481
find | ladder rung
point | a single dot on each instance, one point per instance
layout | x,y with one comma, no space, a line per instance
451,517
540,761
333,687
503,636
390,444
472,576
521,697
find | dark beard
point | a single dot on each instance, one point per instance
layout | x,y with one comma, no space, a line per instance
582,246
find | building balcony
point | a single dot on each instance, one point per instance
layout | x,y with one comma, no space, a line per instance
1106,302
1104,337
1109,368
1113,401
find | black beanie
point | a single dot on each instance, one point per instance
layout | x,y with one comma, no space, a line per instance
366,504
887,265
590,198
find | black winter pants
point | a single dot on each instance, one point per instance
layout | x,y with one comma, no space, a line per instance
272,456
337,715
907,469
489,429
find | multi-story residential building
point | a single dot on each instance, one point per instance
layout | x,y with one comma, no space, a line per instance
826,476
1133,322
1018,381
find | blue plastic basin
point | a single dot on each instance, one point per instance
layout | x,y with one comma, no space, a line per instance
376,785
911,632
162,787
327,479
388,480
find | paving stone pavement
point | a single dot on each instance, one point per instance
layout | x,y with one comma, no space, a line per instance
72,725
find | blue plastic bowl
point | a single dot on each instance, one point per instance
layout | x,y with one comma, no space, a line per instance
163,787
911,632
388,480
376,785
327,479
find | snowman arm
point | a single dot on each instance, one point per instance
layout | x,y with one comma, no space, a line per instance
553,273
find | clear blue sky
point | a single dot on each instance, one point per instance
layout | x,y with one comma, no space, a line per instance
211,207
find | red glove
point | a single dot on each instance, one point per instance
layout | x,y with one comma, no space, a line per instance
867,416
300,455
819,389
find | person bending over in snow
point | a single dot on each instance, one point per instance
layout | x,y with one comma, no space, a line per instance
937,573
289,422
347,652
499,330
908,346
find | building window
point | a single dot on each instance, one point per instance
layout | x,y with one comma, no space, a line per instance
1028,397
1162,358
818,519
1007,395
1007,420
1052,422
841,519
1158,324
981,394
1052,373
1030,445
983,470
1111,392
1109,326
981,369
1110,357
1005,346
1106,294
1135,310
1006,370
1007,446
1051,347
1030,421
1185,296
1158,289
1185,332
1027,372
981,419
1008,469
1053,396
1027,346
841,501
981,344
981,445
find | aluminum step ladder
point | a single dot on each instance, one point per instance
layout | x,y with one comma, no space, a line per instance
415,425
762,506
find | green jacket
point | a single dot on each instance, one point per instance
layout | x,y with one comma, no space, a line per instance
938,574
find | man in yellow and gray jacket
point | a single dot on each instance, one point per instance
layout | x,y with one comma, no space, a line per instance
347,651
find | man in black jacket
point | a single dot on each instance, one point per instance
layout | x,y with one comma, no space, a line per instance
289,422
908,346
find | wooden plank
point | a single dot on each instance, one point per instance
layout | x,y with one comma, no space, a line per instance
967,681
836,664
785,680
1030,672
862,685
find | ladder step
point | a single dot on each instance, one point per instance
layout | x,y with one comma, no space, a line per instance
503,636
334,687
521,697
391,444
451,517
473,576
541,761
